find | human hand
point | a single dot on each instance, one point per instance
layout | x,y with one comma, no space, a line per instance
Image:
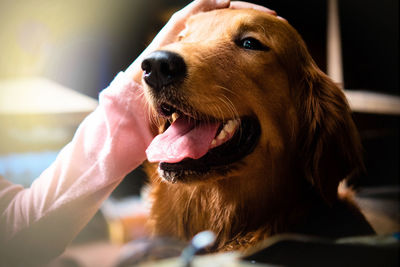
176,24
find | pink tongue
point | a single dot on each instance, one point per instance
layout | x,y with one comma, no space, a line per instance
183,139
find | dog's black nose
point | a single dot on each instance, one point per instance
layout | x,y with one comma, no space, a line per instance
162,68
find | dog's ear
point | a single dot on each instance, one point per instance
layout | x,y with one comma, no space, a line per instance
329,145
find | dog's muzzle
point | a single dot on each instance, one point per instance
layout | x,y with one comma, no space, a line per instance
163,68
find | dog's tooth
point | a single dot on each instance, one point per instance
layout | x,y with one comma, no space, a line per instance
175,116
235,123
221,135
214,142
229,126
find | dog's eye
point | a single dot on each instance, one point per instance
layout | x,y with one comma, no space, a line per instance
251,44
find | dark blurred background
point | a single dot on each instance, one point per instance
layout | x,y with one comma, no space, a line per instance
84,44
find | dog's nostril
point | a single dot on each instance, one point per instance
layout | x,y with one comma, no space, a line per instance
162,68
146,66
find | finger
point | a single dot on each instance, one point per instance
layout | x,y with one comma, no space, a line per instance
246,5
207,5
216,4
198,6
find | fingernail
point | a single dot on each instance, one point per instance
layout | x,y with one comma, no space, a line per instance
222,3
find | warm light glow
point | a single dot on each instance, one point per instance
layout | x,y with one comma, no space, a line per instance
33,31
41,96
70,42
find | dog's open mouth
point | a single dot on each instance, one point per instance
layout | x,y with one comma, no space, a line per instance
195,146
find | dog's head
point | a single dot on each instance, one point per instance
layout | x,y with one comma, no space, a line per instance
240,97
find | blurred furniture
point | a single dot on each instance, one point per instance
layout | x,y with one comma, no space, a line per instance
37,117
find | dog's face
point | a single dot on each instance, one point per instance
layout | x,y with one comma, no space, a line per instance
232,87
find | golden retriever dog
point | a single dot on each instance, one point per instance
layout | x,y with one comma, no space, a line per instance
254,137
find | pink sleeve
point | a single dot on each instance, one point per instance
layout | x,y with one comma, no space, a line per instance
40,221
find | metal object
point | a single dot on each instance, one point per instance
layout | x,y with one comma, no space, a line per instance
200,241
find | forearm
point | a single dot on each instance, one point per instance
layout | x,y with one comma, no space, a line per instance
109,143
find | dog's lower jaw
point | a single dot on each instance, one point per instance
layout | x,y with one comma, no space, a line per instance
191,177
182,176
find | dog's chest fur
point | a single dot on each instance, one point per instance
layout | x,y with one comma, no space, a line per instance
182,211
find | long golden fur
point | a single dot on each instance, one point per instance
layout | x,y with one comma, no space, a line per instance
308,142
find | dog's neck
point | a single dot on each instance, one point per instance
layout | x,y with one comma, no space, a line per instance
228,208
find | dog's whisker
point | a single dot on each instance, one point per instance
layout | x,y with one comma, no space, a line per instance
218,112
151,116
227,89
235,113
212,107
226,102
